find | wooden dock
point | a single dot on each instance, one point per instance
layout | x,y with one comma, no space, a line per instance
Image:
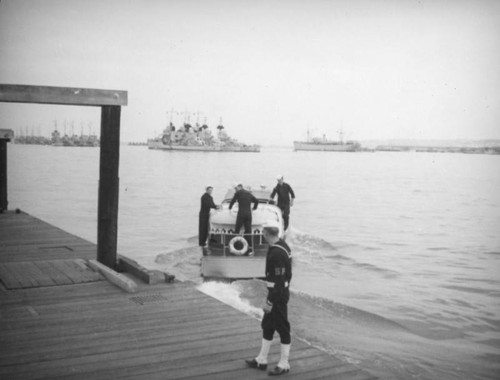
61,320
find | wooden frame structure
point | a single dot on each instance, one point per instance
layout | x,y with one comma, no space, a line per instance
110,102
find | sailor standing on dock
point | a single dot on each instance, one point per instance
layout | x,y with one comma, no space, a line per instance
285,198
278,277
207,203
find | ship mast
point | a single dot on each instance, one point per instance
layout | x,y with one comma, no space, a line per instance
341,136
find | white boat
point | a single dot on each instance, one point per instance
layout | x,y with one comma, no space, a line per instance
227,253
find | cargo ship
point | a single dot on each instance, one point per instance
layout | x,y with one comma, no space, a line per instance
323,144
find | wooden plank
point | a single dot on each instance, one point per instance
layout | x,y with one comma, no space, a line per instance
47,273
87,346
78,272
124,352
9,279
233,367
148,276
116,278
178,366
176,363
31,253
53,272
53,324
39,277
84,339
86,274
75,96
20,277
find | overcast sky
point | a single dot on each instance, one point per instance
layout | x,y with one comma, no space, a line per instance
270,69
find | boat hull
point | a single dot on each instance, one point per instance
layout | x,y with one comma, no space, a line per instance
153,144
233,268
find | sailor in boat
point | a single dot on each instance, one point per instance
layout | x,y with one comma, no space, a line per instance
244,216
207,203
278,277
285,198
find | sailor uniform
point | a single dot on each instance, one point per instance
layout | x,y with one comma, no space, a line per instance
278,277
244,216
207,203
284,192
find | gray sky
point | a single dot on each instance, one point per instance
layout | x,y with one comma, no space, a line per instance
271,69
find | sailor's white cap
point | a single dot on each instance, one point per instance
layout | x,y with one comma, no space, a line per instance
271,224
279,176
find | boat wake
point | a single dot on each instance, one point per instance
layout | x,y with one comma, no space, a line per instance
319,254
311,254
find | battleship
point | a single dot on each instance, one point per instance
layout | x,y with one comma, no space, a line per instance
198,138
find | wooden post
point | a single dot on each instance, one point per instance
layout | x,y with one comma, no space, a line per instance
3,175
5,136
107,219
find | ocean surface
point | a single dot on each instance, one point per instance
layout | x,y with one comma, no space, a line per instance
396,255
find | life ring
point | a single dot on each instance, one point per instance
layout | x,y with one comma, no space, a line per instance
234,250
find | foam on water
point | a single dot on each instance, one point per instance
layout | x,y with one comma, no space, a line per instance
230,295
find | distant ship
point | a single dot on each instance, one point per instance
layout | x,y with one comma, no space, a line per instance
198,138
57,140
323,144
74,140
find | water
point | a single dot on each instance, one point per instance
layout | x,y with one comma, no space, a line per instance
396,255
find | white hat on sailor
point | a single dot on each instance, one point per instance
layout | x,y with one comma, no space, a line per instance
271,224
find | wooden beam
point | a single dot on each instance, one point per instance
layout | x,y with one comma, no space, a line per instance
107,214
5,136
149,276
3,175
77,96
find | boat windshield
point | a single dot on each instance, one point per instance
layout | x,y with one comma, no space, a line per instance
263,195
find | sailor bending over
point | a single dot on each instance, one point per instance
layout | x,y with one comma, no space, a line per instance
244,216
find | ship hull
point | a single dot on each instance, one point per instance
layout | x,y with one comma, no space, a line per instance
324,147
153,144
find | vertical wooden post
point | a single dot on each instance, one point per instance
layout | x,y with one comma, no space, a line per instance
3,175
107,218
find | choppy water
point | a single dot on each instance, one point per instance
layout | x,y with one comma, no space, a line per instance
396,255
